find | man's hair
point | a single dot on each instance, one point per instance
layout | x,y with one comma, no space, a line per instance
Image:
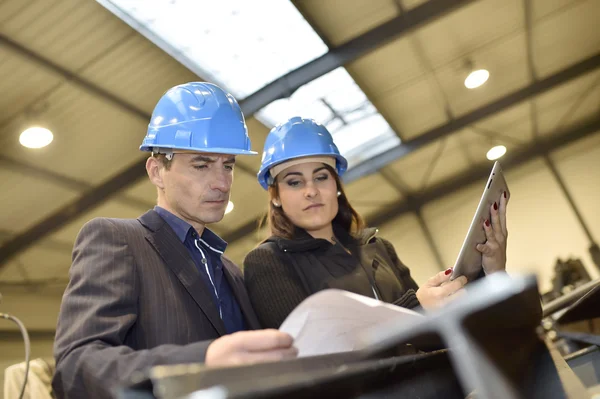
163,160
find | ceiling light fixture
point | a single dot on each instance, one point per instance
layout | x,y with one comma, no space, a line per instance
229,207
36,137
496,152
477,78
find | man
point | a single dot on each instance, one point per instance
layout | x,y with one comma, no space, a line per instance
157,290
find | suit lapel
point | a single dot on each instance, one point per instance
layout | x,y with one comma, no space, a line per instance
177,258
235,280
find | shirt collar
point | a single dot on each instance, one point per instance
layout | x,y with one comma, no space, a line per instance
182,229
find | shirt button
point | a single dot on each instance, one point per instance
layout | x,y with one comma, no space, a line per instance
203,261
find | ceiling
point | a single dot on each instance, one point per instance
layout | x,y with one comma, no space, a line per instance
93,80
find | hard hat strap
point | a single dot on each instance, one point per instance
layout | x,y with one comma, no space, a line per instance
167,152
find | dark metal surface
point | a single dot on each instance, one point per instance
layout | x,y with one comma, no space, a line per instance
286,85
417,377
482,330
569,299
493,350
585,363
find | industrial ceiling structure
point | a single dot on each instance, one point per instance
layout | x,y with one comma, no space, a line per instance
387,76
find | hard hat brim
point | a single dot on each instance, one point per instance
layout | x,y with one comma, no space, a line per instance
216,150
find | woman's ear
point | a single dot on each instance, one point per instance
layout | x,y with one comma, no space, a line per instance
276,203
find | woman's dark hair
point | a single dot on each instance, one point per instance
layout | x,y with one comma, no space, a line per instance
347,218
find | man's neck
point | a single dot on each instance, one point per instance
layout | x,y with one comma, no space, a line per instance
199,227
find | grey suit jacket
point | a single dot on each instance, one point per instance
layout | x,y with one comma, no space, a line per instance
135,299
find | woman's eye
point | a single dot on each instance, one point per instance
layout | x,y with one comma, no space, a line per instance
322,178
293,183
229,167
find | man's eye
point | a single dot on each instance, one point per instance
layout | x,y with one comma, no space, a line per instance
200,166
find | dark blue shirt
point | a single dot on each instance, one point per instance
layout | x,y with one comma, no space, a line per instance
206,252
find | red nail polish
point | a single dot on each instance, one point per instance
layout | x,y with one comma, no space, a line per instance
487,223
495,206
448,271
505,194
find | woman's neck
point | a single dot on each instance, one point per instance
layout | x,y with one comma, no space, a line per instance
325,233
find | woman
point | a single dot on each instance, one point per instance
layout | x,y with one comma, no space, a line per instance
319,241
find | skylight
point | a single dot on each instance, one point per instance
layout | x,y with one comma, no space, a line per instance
335,100
244,45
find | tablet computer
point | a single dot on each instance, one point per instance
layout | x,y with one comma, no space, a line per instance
469,261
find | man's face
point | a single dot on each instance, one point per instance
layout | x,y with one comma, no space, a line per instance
196,186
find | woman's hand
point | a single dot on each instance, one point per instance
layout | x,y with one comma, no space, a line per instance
494,249
439,289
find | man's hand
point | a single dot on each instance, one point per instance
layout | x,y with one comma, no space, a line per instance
247,347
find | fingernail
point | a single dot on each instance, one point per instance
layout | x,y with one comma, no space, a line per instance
487,223
448,271
505,194
495,206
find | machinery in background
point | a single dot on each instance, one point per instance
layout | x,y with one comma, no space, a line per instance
568,275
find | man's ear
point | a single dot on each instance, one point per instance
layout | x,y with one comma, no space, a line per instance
155,168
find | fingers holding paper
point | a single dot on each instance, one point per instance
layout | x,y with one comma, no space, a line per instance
249,347
438,290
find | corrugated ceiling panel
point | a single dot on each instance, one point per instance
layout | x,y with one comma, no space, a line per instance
389,67
26,200
506,61
23,82
563,38
111,209
413,109
559,107
544,8
93,139
514,122
69,32
469,29
413,168
367,196
339,23
37,263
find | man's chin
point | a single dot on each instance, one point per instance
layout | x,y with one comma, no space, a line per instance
214,217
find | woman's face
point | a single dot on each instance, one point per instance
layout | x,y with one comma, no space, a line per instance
308,195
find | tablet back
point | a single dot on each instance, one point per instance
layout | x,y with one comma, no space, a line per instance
469,258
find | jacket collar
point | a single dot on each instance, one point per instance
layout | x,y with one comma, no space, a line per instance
177,258
303,241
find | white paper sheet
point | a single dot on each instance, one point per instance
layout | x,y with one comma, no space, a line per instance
331,321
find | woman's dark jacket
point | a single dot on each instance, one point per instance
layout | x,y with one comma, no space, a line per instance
281,273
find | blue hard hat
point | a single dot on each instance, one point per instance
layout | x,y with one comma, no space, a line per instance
297,138
200,117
